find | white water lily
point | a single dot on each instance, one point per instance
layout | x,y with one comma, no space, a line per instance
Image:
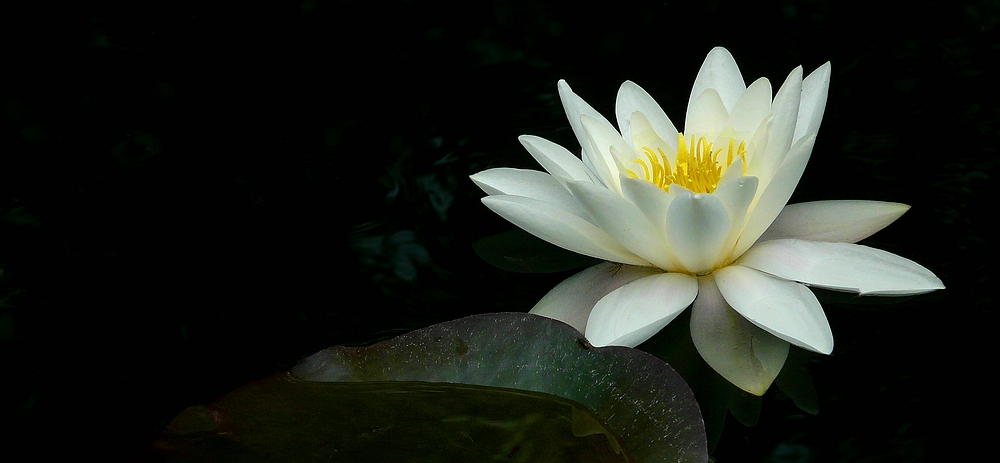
699,218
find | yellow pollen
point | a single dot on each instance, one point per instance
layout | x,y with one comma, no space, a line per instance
697,167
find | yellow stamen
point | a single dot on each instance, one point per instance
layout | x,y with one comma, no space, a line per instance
696,167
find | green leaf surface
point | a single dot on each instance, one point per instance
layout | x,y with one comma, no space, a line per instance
288,420
492,387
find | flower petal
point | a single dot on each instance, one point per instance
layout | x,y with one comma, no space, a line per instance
561,228
623,221
697,227
783,308
744,354
757,147
576,108
528,183
786,115
813,103
752,107
651,200
633,313
555,159
833,221
572,300
719,72
706,116
776,193
610,150
632,99
736,195
841,266
644,135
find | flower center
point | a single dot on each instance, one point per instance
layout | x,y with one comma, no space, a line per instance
697,167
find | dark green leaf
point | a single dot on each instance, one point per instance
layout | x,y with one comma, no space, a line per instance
503,375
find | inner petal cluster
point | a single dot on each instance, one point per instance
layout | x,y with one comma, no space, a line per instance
696,167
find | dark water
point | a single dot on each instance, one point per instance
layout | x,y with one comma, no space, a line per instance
196,196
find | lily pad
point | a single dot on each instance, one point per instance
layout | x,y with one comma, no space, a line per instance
493,387
289,420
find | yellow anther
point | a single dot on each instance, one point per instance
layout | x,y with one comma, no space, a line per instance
696,166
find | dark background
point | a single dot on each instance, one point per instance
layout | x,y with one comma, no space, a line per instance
196,195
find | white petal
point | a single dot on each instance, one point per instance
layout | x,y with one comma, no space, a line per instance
650,199
783,308
572,300
654,204
529,183
736,195
734,172
575,108
623,221
591,172
707,115
630,315
775,195
561,228
814,91
697,227
555,159
608,146
756,148
744,354
786,113
719,72
841,266
833,221
644,135
631,99
752,108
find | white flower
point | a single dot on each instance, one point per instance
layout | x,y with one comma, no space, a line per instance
698,218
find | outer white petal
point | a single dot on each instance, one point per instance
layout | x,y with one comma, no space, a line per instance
572,300
783,308
841,266
632,98
576,108
707,115
757,147
561,228
744,354
650,199
814,91
786,114
697,227
833,221
529,183
719,72
736,195
630,315
608,146
623,221
776,193
752,108
555,159
654,204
